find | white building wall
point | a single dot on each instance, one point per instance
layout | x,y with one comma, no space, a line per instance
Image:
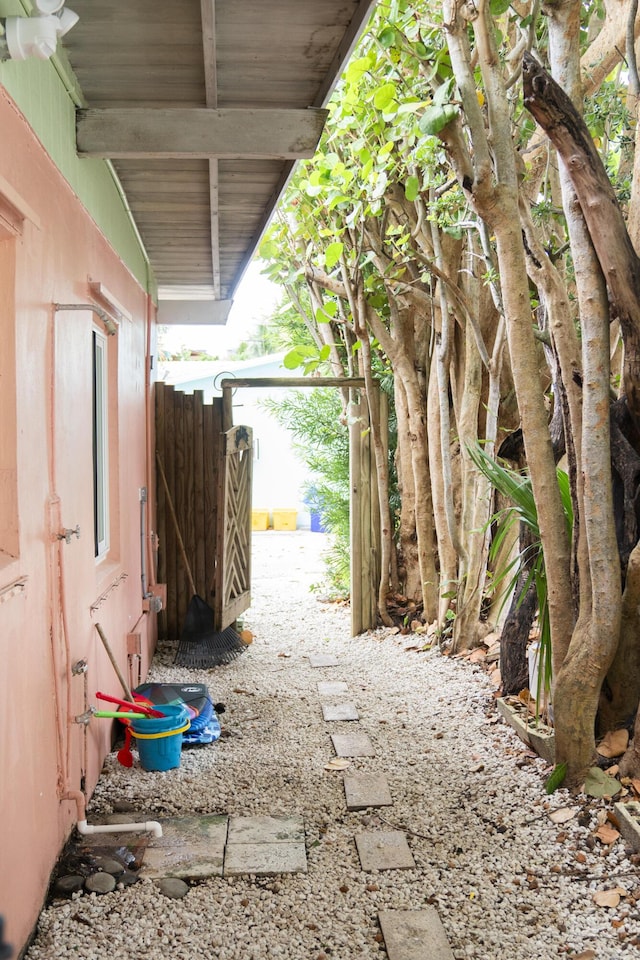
278,475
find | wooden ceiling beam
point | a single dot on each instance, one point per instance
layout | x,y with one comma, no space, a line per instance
198,133
208,17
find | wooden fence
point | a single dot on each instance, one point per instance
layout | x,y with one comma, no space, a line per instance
189,443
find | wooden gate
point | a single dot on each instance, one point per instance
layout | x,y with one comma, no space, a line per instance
232,584
209,479
365,572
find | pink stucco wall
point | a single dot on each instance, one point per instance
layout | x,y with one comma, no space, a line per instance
53,592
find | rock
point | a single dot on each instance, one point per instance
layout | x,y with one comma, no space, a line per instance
100,883
173,888
123,806
107,865
65,886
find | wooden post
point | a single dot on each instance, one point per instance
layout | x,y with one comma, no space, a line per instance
355,480
227,405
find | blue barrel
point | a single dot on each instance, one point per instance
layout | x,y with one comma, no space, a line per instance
159,739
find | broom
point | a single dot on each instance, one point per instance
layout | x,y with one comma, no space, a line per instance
201,646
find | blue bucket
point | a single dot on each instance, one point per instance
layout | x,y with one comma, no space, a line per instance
159,739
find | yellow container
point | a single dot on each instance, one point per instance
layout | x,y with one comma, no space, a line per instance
259,519
285,519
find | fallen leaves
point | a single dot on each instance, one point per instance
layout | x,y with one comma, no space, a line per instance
599,784
337,763
563,814
614,743
607,834
609,898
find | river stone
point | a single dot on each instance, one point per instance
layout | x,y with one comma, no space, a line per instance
107,865
65,886
128,878
173,887
100,883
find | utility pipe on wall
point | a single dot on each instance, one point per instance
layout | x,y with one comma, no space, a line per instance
149,826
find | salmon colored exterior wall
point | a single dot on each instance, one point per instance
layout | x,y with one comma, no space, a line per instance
52,592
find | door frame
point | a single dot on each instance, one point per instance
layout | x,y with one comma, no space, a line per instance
363,498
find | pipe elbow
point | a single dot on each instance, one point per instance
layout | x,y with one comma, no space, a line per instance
83,828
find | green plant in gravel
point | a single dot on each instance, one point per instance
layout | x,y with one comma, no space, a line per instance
516,488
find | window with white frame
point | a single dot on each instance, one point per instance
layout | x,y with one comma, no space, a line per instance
100,446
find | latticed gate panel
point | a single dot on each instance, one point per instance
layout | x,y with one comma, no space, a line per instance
233,573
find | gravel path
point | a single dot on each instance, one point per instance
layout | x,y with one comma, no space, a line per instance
506,881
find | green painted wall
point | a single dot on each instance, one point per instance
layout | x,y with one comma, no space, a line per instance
43,90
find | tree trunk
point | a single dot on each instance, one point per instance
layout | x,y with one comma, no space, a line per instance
492,188
514,667
446,552
620,265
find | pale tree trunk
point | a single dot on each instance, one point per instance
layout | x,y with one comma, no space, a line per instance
409,568
497,203
382,466
595,639
446,553
476,498
404,367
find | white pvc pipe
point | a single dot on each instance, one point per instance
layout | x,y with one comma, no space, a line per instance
150,826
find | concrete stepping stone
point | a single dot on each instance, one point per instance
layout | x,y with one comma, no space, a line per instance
384,850
340,711
331,688
414,935
323,660
264,859
366,791
265,846
190,848
352,745
264,829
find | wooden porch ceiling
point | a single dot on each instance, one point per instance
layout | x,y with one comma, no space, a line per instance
204,106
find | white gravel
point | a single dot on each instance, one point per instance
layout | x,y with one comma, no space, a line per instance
507,882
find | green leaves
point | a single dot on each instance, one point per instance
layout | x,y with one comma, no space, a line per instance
307,357
436,118
599,784
412,188
332,254
556,778
326,312
387,38
384,96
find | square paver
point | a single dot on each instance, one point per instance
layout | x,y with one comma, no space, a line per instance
264,829
414,935
264,859
367,791
189,848
265,846
339,711
332,688
323,660
352,745
384,850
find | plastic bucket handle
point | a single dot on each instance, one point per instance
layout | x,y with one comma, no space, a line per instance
159,736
